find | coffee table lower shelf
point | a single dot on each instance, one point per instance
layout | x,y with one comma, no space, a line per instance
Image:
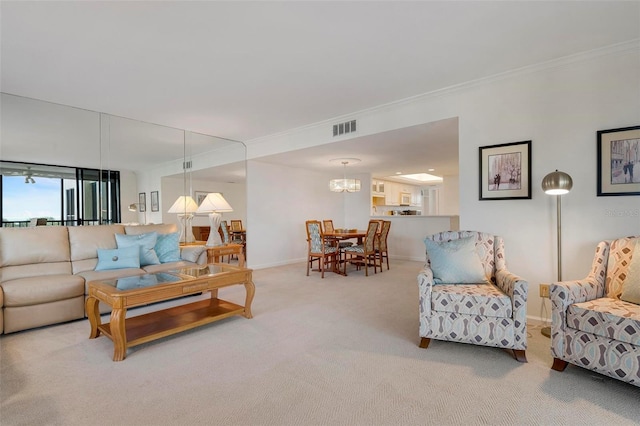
156,325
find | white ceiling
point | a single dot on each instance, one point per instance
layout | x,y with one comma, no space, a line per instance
242,70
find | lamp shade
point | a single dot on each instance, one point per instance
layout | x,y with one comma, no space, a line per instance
184,204
344,185
557,183
214,202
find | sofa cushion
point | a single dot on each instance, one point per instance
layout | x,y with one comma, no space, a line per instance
160,228
85,242
607,317
145,243
455,261
168,247
120,258
191,253
37,251
471,299
35,290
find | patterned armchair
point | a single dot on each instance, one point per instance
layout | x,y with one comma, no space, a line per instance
591,326
492,313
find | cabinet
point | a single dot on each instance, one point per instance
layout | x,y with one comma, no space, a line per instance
377,187
392,194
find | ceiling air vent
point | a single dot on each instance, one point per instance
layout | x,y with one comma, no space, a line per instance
343,128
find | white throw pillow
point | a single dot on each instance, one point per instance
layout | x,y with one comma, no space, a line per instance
191,253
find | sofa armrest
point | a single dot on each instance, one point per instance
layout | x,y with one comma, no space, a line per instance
517,289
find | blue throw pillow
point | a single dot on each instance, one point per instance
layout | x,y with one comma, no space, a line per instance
119,258
455,262
168,247
144,242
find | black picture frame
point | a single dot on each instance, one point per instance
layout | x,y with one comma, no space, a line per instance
618,161
142,202
155,202
505,171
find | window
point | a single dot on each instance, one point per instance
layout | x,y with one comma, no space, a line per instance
62,195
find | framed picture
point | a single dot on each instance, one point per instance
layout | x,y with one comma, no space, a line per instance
142,202
619,161
155,204
505,171
198,196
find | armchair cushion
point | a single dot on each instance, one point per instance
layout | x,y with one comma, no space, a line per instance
472,299
455,261
606,317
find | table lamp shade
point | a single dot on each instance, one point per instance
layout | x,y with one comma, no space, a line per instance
214,202
184,204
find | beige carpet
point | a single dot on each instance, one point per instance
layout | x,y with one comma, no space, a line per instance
338,351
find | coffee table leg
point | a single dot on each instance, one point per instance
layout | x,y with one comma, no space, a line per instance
250,288
93,313
118,333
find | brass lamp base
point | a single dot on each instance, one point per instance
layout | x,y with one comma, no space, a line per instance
546,331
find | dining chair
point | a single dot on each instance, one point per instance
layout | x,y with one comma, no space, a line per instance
317,249
227,237
364,253
329,229
382,248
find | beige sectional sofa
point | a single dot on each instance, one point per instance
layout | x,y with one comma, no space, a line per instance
44,271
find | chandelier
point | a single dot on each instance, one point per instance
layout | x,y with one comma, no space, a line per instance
343,184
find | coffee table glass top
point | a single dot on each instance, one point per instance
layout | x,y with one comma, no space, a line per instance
167,277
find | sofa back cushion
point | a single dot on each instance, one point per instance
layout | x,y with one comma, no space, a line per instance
620,253
85,242
160,228
37,251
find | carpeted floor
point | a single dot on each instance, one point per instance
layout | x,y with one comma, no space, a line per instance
338,351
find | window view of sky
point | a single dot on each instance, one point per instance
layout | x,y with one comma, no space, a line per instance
24,201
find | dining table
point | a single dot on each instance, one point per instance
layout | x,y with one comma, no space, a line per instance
340,235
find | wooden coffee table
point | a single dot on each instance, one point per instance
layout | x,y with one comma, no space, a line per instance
128,292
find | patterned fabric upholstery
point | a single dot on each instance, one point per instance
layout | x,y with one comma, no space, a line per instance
591,327
472,299
483,314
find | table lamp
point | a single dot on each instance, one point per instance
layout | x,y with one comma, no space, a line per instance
214,204
185,206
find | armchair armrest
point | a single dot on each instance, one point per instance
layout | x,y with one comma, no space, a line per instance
425,286
517,289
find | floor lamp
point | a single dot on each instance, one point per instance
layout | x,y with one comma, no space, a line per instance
184,206
557,183
214,204
135,207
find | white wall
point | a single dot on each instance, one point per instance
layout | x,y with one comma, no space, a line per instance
558,105
280,200
450,196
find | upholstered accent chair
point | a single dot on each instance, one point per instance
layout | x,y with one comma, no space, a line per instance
365,253
467,294
318,250
594,325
